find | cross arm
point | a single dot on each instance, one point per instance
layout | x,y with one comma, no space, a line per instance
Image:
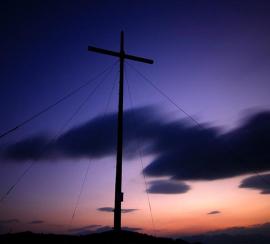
118,54
139,59
103,51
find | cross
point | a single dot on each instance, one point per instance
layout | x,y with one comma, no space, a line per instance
118,181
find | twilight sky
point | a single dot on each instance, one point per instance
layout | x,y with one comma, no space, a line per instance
211,57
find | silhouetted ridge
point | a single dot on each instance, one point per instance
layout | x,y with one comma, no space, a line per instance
127,237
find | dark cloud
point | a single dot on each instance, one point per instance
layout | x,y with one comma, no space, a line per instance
167,187
36,222
9,221
262,229
96,138
105,209
27,149
129,210
88,229
108,228
6,224
181,151
255,234
104,228
195,153
257,182
132,228
214,212
124,210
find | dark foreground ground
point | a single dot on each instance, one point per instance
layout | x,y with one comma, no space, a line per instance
126,237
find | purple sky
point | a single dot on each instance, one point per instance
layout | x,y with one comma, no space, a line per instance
211,58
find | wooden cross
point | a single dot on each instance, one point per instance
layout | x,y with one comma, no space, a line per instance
118,181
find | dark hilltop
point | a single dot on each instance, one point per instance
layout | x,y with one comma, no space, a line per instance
127,237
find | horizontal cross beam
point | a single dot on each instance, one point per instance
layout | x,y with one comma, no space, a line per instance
119,54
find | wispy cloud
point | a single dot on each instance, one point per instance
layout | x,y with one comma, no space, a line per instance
9,221
214,212
35,222
167,187
90,229
124,210
84,229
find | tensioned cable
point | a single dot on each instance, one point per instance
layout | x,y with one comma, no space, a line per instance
76,90
238,157
87,169
166,96
55,137
86,99
141,161
80,192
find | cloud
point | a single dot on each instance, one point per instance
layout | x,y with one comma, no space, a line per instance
181,151
35,222
108,228
27,149
104,228
254,234
195,153
167,187
132,228
94,139
257,182
263,229
214,212
88,229
6,224
106,209
124,210
9,221
129,210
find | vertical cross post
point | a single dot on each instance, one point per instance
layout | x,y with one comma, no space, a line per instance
118,180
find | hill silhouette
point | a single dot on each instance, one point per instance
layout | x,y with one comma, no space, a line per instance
127,237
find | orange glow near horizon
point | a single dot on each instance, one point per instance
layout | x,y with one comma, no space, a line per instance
187,213
174,214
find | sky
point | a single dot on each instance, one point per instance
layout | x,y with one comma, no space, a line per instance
211,58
